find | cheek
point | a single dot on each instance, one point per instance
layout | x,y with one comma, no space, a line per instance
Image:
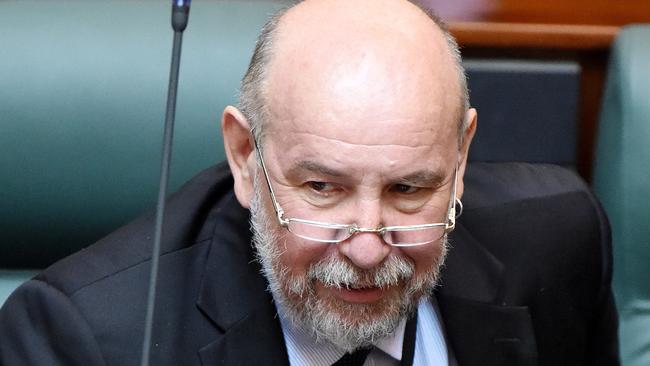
425,257
297,255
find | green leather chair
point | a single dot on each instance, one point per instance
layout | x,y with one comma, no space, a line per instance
622,182
82,100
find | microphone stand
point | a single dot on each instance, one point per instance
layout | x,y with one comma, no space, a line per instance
180,15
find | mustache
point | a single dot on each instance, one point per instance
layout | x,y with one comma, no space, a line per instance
340,273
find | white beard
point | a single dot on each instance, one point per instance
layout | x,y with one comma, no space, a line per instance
346,325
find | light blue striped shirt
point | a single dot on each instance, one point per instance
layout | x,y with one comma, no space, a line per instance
430,345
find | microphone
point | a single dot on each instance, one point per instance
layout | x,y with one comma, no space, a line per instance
180,15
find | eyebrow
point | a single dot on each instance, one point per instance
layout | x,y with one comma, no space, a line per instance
314,167
425,178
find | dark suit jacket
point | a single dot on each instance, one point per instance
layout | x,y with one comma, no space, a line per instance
527,282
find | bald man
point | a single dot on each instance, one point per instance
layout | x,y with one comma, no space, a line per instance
347,154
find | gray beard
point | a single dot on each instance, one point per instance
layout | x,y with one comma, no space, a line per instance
346,325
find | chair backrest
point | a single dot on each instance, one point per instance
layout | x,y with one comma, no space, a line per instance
82,108
527,110
622,182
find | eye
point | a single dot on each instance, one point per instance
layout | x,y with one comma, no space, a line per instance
317,186
404,189
321,187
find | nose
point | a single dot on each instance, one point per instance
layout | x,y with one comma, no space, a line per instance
365,250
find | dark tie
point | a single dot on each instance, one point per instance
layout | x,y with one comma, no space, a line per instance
356,358
408,347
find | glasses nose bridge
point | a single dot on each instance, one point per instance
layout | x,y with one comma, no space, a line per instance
379,230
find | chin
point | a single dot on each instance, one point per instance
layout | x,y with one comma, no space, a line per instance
350,325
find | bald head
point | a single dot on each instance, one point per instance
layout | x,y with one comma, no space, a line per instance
355,56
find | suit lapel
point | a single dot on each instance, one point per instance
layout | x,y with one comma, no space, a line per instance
233,296
254,338
479,329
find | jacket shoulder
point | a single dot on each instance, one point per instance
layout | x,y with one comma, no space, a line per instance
491,184
187,223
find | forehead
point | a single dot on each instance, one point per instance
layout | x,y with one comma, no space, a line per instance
369,106
363,122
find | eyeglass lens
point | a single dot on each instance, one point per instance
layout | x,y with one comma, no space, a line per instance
325,234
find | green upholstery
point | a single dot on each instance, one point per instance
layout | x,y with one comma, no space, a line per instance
82,100
622,182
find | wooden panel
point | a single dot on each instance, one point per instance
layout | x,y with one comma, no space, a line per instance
583,12
575,37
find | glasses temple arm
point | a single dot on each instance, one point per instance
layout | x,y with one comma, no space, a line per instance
278,210
451,211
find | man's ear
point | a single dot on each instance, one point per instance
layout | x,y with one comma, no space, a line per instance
468,134
239,151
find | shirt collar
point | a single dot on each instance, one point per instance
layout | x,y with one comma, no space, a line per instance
393,344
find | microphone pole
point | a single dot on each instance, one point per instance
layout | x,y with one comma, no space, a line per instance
180,15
